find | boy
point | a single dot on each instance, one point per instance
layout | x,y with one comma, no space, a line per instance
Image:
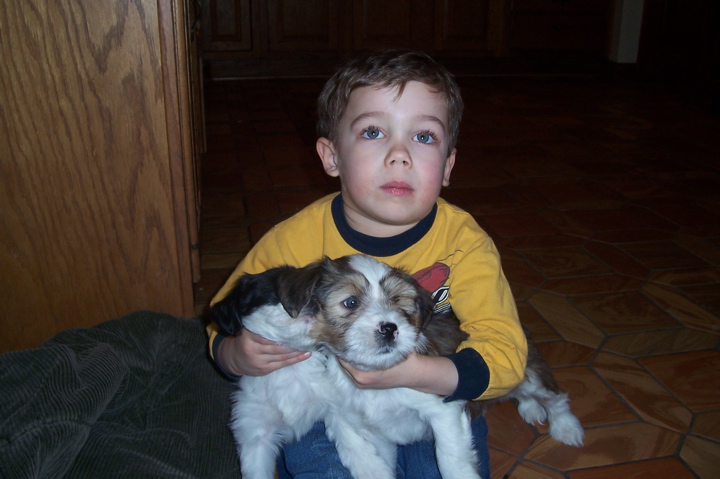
388,126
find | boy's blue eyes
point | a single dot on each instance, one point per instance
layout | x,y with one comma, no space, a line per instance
373,133
424,137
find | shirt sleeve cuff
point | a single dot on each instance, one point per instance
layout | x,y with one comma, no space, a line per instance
215,345
473,375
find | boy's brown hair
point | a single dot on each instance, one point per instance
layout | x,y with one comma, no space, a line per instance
390,68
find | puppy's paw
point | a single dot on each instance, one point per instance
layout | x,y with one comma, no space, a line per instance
567,429
531,411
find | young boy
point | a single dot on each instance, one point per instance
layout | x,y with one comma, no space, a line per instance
388,126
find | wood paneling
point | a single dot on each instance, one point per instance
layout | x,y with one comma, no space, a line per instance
464,26
227,25
378,24
93,165
303,25
292,29
559,32
561,25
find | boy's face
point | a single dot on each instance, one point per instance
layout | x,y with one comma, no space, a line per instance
391,157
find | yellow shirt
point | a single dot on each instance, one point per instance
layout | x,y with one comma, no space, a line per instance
447,252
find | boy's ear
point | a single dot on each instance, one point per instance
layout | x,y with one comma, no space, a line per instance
326,151
449,163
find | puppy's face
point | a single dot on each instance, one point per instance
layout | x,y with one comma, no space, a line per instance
368,313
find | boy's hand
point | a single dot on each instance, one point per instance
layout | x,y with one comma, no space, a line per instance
435,375
249,354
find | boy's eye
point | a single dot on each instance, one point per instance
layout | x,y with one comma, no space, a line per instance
372,133
424,137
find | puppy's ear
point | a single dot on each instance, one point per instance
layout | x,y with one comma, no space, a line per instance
296,287
424,303
226,313
250,292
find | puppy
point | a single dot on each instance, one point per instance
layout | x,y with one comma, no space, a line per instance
281,407
372,316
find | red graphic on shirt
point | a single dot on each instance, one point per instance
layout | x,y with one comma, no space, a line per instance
433,279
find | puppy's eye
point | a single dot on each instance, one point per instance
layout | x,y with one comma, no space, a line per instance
351,303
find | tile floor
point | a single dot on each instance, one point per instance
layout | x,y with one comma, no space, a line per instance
604,200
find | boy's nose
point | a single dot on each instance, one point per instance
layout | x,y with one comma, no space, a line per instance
398,155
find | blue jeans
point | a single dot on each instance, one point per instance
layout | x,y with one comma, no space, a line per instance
315,457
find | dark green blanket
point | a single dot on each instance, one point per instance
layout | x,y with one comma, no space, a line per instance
134,397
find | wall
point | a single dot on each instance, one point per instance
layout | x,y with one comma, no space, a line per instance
626,33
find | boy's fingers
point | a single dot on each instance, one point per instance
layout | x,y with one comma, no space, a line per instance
270,356
257,338
290,358
270,347
294,357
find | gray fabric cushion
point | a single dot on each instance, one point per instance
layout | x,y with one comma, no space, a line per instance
133,397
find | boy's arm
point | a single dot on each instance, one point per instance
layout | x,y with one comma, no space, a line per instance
248,353
222,347
496,350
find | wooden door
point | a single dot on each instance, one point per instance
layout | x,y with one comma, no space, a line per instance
93,166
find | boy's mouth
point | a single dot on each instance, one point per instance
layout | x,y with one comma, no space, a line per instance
397,188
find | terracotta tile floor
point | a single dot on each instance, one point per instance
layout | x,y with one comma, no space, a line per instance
604,200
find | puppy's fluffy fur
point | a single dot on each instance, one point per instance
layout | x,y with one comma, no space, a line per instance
372,316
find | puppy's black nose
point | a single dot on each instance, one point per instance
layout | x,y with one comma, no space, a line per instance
388,330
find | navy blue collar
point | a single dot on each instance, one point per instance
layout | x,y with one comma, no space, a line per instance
380,247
